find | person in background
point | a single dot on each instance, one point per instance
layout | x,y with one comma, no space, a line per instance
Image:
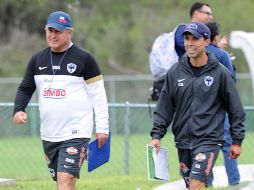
71,95
199,12
195,97
223,57
221,54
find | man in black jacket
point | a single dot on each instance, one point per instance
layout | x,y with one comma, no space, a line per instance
196,95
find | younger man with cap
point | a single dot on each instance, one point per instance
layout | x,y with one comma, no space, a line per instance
196,95
70,88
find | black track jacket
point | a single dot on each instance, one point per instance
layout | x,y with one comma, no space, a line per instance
197,105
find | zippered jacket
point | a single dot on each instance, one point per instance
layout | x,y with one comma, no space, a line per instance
196,106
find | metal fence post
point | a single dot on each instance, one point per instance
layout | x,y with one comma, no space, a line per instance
126,137
112,98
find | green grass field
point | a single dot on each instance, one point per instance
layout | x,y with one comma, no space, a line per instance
22,159
106,183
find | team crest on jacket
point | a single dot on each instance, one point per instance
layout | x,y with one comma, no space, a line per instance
71,67
208,80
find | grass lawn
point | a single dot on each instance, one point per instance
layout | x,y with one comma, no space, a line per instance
104,183
22,159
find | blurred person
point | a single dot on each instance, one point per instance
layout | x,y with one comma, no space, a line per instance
71,95
223,57
195,97
199,12
202,12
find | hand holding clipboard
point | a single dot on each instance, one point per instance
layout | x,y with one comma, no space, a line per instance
98,156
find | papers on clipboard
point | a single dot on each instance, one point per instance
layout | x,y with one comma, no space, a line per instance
98,156
157,163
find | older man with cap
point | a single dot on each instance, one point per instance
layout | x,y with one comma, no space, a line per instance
71,95
195,97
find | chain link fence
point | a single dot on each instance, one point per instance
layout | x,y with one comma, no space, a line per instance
22,155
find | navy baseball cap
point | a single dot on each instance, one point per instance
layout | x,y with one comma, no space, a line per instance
198,30
59,20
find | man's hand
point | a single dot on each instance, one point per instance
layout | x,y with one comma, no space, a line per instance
102,138
223,43
157,144
20,118
235,151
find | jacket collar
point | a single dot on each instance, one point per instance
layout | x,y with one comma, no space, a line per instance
212,60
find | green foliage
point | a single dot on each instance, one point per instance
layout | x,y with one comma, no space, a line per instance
118,33
17,52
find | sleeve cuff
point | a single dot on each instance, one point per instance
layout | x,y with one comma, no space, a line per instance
156,136
102,130
237,141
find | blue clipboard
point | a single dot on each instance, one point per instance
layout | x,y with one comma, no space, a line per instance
98,156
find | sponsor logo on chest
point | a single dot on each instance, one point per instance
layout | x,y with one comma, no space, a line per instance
56,67
54,93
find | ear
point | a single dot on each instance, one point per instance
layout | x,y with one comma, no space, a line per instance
70,33
195,16
207,41
216,39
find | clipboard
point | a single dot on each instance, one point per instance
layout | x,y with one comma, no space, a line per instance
157,164
98,156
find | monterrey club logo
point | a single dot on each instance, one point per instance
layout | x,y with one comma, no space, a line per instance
208,80
71,67
54,93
